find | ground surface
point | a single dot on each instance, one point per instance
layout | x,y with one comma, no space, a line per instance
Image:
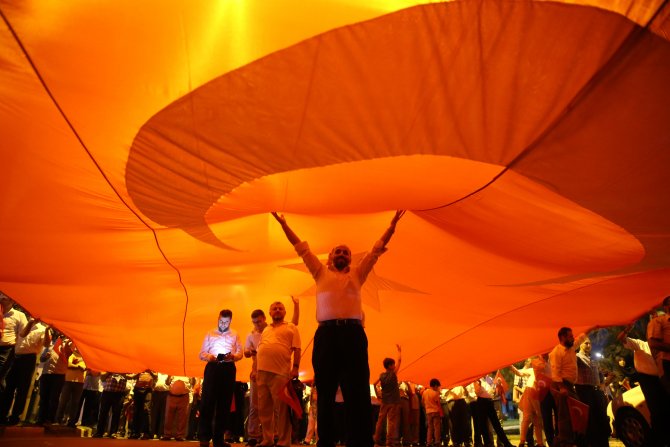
36,437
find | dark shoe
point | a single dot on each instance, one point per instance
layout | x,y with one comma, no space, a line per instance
252,442
165,438
97,435
179,438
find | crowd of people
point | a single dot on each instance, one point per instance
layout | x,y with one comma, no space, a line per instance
348,408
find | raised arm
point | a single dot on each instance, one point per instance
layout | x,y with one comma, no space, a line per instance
26,330
296,310
399,361
290,235
311,261
386,237
517,372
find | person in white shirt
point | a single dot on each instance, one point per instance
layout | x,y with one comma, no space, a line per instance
280,341
220,349
487,413
12,325
22,373
563,359
68,403
259,323
340,355
458,416
658,401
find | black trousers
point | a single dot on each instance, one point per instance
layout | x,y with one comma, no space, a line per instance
658,402
110,401
460,421
141,421
598,430
90,399
340,358
6,358
18,381
549,417
487,412
50,388
478,438
157,416
217,394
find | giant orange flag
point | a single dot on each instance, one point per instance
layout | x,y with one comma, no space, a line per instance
145,143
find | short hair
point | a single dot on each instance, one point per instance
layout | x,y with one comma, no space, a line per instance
226,313
666,301
562,332
257,313
434,382
388,362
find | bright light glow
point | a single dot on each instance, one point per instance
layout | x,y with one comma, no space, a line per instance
599,355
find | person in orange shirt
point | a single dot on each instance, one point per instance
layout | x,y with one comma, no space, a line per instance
431,403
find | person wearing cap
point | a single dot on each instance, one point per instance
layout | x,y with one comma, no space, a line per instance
340,354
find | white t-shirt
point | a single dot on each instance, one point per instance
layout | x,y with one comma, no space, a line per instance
253,340
33,343
276,346
15,321
338,294
643,360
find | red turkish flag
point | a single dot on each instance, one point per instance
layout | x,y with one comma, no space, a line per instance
542,384
500,380
288,395
579,415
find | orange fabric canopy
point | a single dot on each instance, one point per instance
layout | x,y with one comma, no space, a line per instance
144,145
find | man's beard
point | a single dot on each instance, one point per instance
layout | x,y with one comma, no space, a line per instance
569,344
340,263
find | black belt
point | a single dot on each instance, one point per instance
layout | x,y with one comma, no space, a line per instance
341,322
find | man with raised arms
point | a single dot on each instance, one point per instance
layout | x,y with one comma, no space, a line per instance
340,354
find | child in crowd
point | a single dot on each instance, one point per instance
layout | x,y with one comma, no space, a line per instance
431,402
390,408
